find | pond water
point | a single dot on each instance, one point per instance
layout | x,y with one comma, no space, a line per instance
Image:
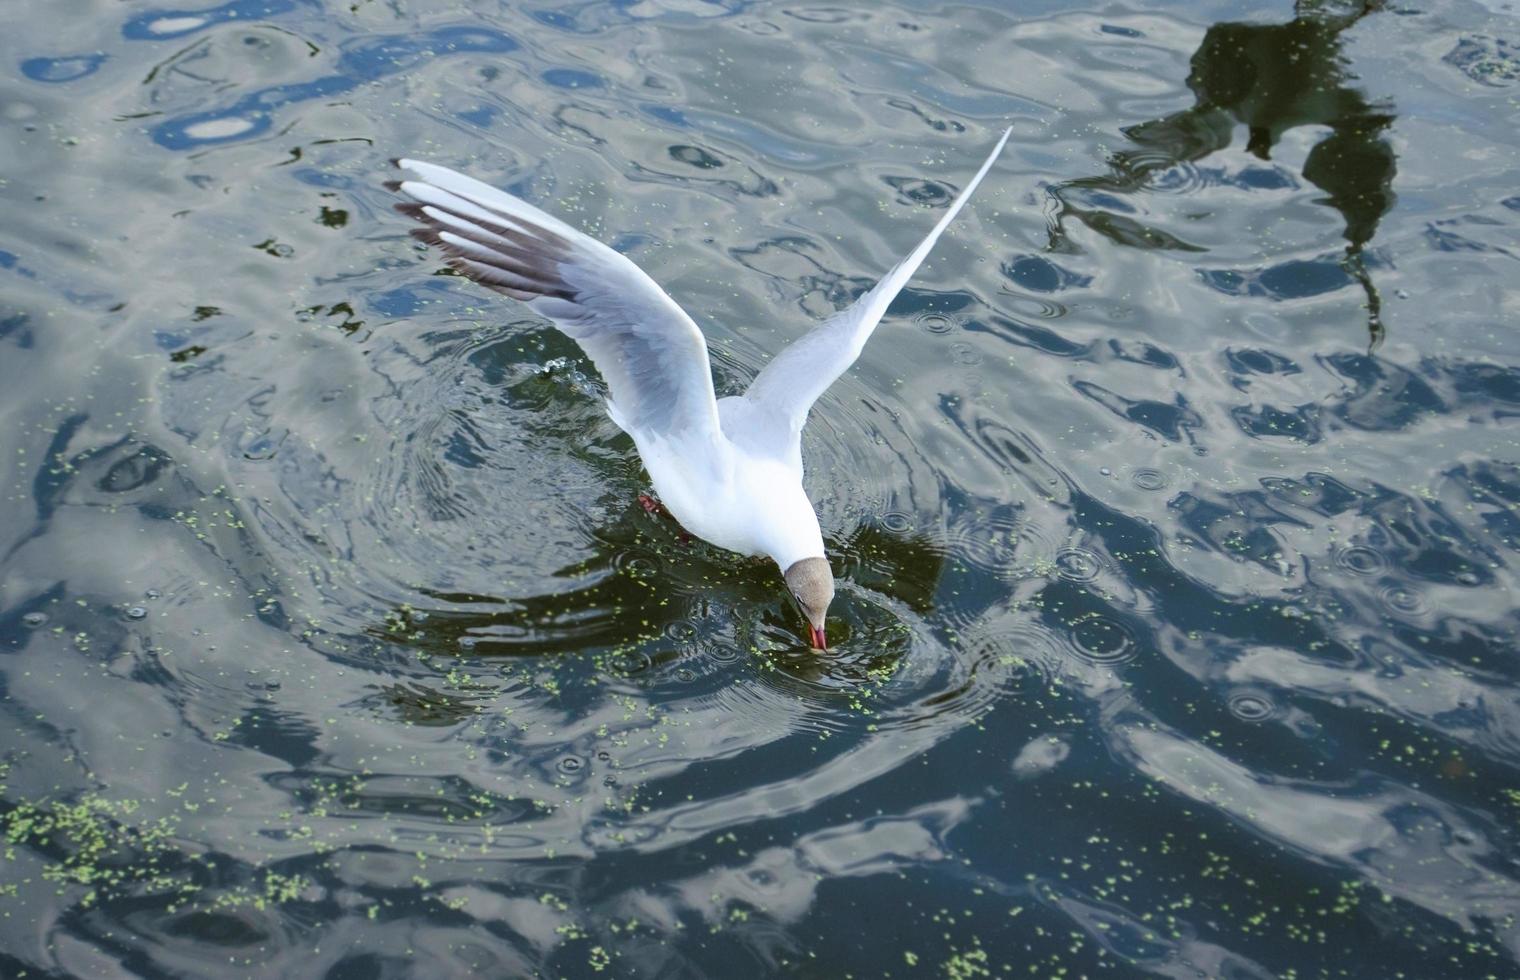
1175,504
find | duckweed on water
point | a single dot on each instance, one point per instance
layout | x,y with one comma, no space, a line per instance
1175,628
96,844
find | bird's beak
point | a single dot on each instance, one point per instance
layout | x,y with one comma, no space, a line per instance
815,635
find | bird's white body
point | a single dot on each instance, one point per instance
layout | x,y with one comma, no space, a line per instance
734,494
729,471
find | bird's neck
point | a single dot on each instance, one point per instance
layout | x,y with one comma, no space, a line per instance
795,535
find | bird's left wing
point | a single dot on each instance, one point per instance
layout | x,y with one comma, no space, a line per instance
785,390
651,354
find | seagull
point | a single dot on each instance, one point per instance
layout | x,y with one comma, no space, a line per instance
729,470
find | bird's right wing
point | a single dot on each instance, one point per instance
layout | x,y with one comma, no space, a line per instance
651,354
786,389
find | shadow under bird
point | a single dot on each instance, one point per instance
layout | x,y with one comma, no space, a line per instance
730,469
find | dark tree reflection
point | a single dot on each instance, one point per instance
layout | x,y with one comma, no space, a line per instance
1270,78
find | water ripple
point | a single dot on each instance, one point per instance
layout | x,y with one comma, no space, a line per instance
1171,503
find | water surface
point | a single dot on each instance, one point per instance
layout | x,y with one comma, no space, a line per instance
1174,504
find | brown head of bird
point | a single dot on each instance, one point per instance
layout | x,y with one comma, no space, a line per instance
811,583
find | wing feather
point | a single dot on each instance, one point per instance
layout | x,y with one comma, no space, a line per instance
789,385
651,354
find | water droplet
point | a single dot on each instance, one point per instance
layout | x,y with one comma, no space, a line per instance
896,522
34,620
1149,479
1105,471
1078,564
153,594
467,642
136,612
1468,578
570,764
1251,706
418,616
686,675
681,631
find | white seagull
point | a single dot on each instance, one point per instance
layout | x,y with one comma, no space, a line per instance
730,469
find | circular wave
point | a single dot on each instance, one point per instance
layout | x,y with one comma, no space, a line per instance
1039,307
937,323
996,660
1404,601
1251,706
1169,176
1078,565
1103,641
1003,542
1361,560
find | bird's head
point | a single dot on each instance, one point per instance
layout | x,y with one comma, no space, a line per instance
811,583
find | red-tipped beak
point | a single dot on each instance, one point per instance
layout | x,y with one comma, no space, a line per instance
815,635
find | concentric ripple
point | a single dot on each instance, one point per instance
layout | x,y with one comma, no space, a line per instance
1103,641
336,639
1251,706
1404,600
936,323
1361,560
1078,565
1040,307
1003,542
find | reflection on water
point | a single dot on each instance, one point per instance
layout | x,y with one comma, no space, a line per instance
1269,78
1176,626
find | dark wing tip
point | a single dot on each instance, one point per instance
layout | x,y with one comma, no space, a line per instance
507,281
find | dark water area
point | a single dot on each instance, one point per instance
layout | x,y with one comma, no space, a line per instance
1175,503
